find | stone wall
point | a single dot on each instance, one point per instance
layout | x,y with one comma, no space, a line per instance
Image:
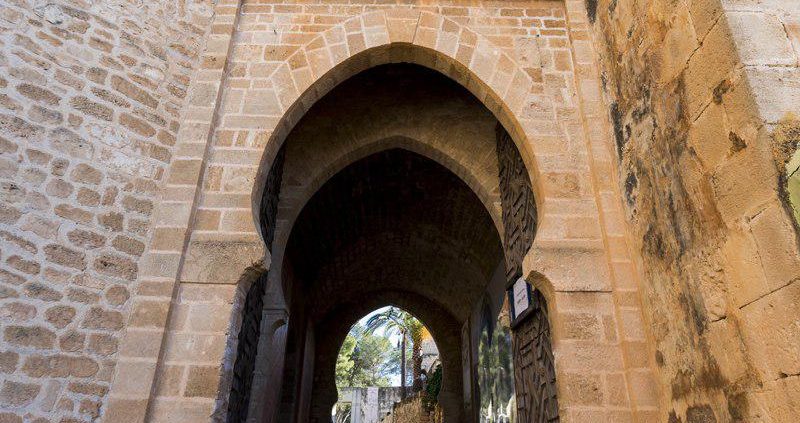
90,101
412,410
696,89
531,63
370,405
92,97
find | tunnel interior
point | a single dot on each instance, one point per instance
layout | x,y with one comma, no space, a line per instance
405,213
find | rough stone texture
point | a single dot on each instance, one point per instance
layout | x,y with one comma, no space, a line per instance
265,56
90,99
695,90
100,109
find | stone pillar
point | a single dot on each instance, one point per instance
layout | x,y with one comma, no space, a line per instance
451,405
356,407
268,373
371,405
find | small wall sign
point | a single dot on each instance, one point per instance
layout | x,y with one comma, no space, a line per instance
519,296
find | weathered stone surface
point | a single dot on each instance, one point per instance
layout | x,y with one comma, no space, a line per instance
65,257
17,312
86,174
29,336
86,239
17,394
116,266
60,316
93,97
202,382
700,189
103,344
209,260
67,74
59,365
8,361
98,318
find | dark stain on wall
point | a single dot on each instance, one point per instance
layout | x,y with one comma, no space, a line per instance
673,212
630,189
619,136
786,141
737,143
700,414
591,9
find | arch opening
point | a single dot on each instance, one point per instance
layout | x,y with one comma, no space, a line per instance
397,187
500,105
387,359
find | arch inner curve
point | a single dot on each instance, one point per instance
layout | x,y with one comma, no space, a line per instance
390,192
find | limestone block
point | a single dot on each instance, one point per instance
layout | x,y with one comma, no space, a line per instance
761,39
743,268
771,330
776,90
709,66
777,245
726,346
570,268
709,136
219,261
181,411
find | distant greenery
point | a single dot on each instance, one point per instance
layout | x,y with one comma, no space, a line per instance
433,387
365,359
411,331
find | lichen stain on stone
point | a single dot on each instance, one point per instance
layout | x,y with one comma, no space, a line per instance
721,89
630,188
700,414
671,206
786,138
737,143
591,10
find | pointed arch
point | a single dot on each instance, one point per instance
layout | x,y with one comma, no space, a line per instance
398,36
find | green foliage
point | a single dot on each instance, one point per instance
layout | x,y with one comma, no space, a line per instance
496,375
344,411
433,388
364,360
345,362
396,321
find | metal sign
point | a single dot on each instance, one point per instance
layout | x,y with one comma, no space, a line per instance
519,297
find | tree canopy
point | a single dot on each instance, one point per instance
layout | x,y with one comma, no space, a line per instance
365,359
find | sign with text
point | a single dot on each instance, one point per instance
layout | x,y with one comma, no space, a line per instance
520,298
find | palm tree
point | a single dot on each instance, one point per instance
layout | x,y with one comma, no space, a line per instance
395,320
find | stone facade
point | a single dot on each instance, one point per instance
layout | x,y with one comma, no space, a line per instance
698,92
136,137
91,95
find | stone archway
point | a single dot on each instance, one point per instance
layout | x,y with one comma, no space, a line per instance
441,324
379,230
395,208
213,253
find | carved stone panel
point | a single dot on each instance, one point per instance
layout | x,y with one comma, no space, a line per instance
534,372
246,351
269,201
519,206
